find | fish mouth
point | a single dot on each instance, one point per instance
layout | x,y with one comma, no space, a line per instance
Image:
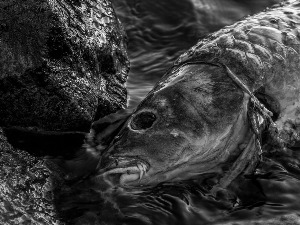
124,171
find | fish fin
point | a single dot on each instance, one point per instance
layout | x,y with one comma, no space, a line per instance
269,102
256,119
245,163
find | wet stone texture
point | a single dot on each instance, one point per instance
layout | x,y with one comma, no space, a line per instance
62,63
27,187
292,219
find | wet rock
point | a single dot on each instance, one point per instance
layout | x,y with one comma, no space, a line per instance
293,219
27,187
62,63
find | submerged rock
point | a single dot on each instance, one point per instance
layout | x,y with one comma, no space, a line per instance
62,63
27,187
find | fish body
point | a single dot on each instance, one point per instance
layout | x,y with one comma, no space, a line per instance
263,51
207,112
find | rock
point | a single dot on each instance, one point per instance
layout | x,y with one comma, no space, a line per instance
27,187
288,219
62,63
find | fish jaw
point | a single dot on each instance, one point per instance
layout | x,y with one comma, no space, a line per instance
123,171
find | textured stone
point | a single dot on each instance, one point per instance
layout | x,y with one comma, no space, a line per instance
27,187
289,219
62,63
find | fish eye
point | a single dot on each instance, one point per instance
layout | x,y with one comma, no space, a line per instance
142,121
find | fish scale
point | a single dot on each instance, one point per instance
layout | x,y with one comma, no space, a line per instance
257,48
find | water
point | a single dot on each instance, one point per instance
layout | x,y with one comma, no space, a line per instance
158,32
272,191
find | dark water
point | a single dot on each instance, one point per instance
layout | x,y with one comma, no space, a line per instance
158,32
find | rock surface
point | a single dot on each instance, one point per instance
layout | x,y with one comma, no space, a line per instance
62,63
27,187
289,219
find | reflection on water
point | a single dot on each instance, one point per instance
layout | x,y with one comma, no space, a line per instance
158,33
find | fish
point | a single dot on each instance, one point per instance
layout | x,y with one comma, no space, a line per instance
206,115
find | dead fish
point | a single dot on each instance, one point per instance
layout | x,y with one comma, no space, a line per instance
207,113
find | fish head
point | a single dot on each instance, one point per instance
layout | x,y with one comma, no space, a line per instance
183,127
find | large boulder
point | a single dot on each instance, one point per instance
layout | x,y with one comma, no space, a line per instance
63,63
27,187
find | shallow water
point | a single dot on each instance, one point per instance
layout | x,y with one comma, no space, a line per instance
158,32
